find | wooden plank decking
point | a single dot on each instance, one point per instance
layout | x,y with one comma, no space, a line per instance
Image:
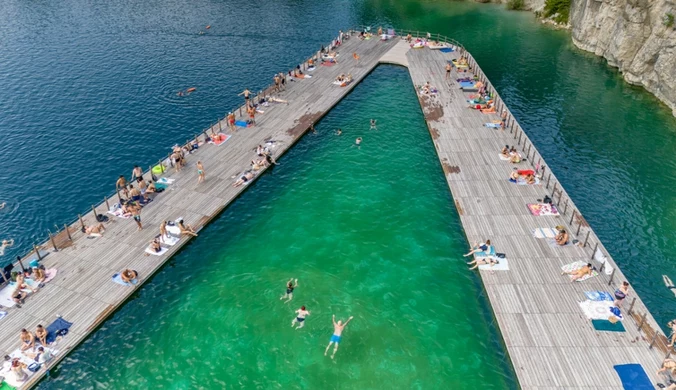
83,292
550,341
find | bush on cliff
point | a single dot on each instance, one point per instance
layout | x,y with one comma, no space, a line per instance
560,8
516,5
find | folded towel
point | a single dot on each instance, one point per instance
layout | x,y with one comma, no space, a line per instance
169,239
607,326
493,126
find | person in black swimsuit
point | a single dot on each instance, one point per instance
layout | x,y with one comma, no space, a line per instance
290,286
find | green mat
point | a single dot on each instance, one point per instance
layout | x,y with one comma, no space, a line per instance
5,386
607,326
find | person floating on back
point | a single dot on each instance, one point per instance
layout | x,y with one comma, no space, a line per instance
337,334
373,124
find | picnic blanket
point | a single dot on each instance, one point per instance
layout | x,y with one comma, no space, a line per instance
59,325
599,310
607,326
542,209
502,265
577,265
633,377
599,296
544,232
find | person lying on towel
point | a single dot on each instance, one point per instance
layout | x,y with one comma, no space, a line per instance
580,272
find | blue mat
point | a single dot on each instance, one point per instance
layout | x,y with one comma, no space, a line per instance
241,123
446,50
56,326
467,84
633,377
607,326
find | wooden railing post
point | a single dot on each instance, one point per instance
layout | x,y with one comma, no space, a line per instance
612,276
37,252
631,307
586,239
67,232
640,324
82,225
596,247
51,238
105,198
572,217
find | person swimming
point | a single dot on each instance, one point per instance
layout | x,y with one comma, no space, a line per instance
300,317
373,124
358,141
290,286
5,244
338,328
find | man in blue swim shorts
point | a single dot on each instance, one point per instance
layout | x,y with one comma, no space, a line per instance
337,331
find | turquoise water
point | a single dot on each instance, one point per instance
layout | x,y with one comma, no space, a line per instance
345,221
90,89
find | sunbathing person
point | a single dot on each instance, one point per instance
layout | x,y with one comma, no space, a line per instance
259,150
505,152
18,296
38,275
41,334
668,364
21,282
243,179
479,247
562,237
186,229
530,179
580,272
514,157
27,339
482,261
95,230
514,176
151,189
155,245
129,276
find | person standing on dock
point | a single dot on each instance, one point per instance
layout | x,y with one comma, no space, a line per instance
231,121
276,79
621,293
282,80
136,172
448,70
200,172
300,317
136,213
246,94
356,58
121,184
337,334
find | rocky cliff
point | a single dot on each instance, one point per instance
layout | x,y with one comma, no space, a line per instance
631,35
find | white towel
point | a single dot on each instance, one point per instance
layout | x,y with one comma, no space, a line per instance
162,251
544,232
169,240
503,265
598,310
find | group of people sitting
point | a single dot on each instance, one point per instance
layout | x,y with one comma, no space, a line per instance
265,160
343,79
511,155
527,175
29,348
427,89
37,274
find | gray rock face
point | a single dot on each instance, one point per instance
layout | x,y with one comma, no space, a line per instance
632,36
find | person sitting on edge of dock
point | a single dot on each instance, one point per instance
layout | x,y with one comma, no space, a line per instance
129,276
479,247
667,364
561,237
243,179
580,272
121,185
269,159
186,229
482,261
27,339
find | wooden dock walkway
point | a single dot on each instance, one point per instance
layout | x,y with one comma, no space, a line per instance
83,293
550,342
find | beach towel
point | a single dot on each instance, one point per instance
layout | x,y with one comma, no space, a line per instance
327,63
6,386
501,266
598,310
241,124
162,251
446,50
464,84
577,265
10,377
542,209
169,239
607,326
50,274
633,377
219,138
311,68
522,182
544,232
599,296
503,158
117,211
492,125
164,180
117,278
59,325
6,293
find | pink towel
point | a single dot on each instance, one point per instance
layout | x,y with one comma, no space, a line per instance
49,274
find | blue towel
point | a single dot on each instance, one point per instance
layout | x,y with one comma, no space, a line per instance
491,252
633,377
241,123
492,125
599,296
58,325
467,84
446,50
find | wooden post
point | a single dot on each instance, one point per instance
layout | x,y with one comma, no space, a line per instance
51,238
554,190
516,131
220,127
579,225
612,276
603,265
67,232
95,213
640,324
631,307
565,207
596,246
653,341
105,198
586,239
37,252
548,177
572,217
82,225
519,143
668,353
511,129
4,277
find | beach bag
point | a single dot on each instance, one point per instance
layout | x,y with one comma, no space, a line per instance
34,367
547,200
500,255
101,218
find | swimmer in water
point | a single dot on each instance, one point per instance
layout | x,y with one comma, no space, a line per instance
669,283
337,334
339,132
300,317
358,141
373,124
2,206
290,286
6,244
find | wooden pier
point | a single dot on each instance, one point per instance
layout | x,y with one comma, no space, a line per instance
550,342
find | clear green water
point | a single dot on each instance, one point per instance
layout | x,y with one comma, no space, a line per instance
367,233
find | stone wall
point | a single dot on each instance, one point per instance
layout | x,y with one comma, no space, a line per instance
631,35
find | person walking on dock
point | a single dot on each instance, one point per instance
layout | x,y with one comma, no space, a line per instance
136,213
300,317
231,121
356,58
448,71
200,172
337,334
